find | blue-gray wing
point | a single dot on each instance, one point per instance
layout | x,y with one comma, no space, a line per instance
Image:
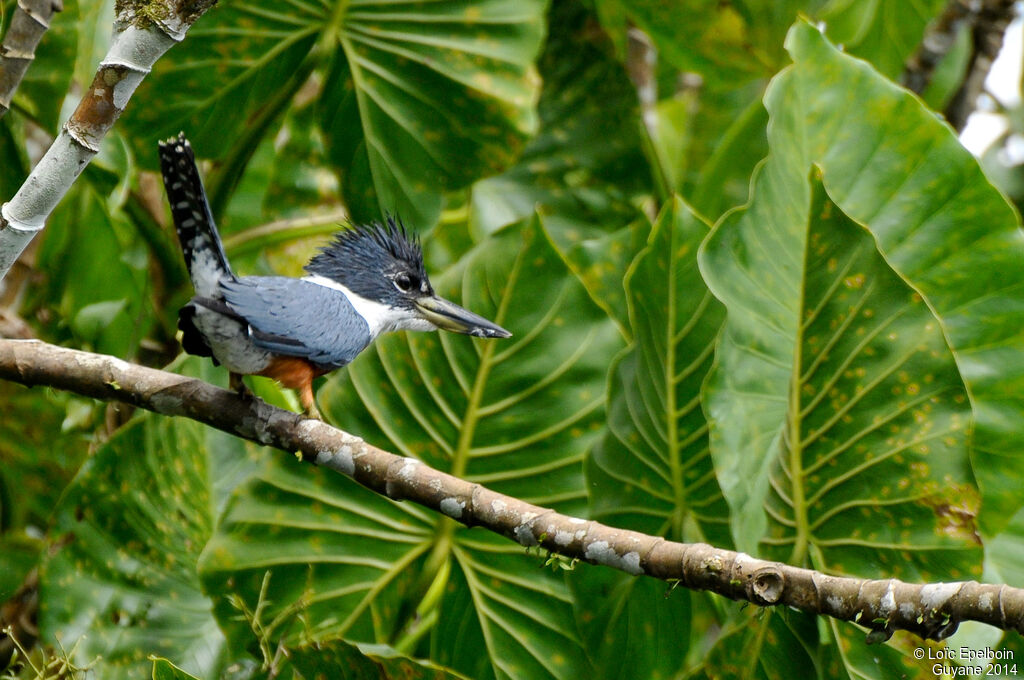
297,318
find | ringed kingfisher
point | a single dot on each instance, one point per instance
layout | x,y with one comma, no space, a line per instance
369,280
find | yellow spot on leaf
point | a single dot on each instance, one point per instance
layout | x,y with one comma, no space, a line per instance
855,281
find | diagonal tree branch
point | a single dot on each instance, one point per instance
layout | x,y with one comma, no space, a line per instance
143,32
29,22
929,610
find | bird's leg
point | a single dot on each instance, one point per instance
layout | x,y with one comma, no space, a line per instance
238,385
308,401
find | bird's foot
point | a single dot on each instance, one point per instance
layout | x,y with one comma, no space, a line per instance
311,411
308,401
238,385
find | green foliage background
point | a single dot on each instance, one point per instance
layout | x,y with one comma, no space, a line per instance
773,306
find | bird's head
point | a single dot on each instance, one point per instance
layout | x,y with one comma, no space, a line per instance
380,269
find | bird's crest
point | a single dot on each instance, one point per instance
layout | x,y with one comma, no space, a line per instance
369,246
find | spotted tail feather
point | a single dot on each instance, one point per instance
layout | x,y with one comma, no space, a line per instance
200,243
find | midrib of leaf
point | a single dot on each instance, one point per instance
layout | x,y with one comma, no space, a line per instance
793,435
444,542
478,592
668,377
754,654
473,411
263,13
478,606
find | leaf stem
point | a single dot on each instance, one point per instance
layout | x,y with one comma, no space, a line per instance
672,423
794,441
280,231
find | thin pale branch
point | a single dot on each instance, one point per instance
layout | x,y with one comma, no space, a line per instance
929,610
143,32
29,22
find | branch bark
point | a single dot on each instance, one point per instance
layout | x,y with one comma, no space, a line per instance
143,32
29,22
931,610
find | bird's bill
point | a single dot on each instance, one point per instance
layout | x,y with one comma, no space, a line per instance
450,317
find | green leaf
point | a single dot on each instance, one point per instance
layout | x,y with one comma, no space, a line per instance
633,627
39,456
94,279
515,415
121,583
730,143
445,91
420,96
165,670
840,421
884,32
714,40
599,259
337,659
765,644
893,166
90,320
652,471
586,160
949,73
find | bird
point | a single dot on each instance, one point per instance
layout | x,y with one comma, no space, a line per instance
369,280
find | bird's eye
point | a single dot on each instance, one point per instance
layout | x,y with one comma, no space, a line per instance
405,283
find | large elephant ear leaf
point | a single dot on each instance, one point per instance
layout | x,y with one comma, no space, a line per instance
879,417
840,420
840,401
585,162
652,471
894,167
416,97
445,92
